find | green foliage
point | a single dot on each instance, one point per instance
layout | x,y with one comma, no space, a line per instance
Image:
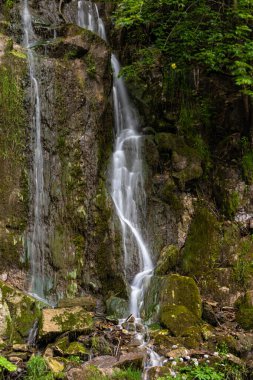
37,369
222,348
5,365
91,65
187,33
74,359
202,372
232,371
243,268
127,374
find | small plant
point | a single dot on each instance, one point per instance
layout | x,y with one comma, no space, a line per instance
202,372
222,349
5,365
127,374
37,369
75,359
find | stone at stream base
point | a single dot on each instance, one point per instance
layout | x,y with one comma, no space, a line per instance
171,293
18,313
117,307
133,360
167,260
57,321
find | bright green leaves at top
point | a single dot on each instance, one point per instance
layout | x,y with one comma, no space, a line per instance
131,11
214,35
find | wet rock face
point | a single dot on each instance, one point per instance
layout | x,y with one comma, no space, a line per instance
74,76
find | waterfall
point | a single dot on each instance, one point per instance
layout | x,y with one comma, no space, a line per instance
36,233
127,182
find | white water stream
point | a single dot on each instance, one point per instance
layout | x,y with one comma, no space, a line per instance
36,234
127,180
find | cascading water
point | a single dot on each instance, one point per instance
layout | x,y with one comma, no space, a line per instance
127,190
36,234
127,182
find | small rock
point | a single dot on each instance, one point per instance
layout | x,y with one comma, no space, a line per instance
20,347
4,277
55,365
174,363
174,346
187,358
216,354
206,356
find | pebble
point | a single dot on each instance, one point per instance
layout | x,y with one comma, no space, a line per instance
181,360
171,359
174,346
206,356
187,358
174,363
215,354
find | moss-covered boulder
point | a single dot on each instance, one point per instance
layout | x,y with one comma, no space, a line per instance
174,301
202,245
77,349
117,307
178,319
244,311
181,291
57,321
18,314
168,260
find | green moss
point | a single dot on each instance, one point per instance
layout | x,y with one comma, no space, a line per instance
78,321
178,319
244,311
181,290
24,311
243,268
117,307
100,346
168,260
76,348
202,246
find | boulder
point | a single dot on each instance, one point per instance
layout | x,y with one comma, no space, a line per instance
244,311
178,319
60,320
175,302
18,313
168,260
56,366
77,349
117,307
181,291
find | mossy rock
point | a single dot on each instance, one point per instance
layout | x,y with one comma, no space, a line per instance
168,260
202,246
117,307
178,319
18,313
77,349
57,321
169,291
244,311
100,346
181,290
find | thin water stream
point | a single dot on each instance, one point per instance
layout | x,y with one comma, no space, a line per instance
127,182
36,233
